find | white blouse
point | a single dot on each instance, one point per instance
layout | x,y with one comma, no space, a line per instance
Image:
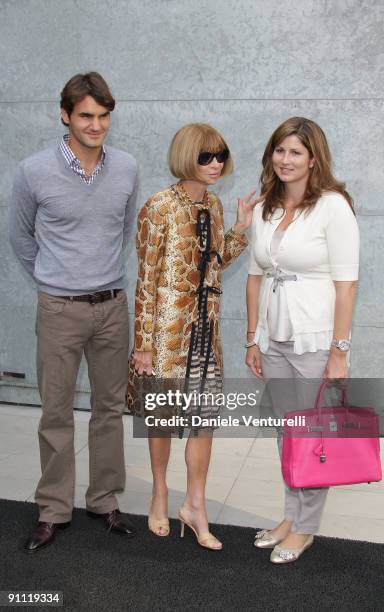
279,323
317,248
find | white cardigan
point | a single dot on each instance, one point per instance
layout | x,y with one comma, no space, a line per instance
318,247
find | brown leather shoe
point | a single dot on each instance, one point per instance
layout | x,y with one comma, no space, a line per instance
115,521
43,535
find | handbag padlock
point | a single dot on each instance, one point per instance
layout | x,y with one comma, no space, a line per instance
333,426
323,458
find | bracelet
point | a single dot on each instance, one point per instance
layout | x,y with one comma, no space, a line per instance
251,332
249,344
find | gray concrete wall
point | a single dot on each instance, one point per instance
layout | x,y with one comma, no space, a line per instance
243,66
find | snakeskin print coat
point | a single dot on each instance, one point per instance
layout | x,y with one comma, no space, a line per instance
172,272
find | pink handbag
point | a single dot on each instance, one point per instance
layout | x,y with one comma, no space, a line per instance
337,445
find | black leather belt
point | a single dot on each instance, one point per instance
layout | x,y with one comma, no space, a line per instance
93,298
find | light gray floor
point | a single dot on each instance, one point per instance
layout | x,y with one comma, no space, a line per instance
244,483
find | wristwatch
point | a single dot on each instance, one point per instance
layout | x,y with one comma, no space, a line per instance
342,345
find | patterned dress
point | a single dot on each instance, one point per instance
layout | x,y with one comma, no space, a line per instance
182,250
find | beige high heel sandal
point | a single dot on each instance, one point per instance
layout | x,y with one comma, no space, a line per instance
155,525
206,540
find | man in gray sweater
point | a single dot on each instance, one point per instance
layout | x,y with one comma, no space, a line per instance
72,211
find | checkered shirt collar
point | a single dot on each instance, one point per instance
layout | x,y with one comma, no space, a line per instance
74,161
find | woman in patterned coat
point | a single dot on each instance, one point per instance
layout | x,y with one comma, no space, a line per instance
182,249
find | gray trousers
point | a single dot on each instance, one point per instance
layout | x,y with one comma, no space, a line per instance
302,374
65,330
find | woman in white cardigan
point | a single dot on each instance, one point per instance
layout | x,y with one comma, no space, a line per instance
300,295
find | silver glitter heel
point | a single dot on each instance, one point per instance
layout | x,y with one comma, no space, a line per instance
285,555
264,539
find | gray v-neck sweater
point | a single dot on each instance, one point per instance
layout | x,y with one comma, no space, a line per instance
70,235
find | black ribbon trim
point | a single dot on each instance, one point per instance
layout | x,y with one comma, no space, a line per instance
203,231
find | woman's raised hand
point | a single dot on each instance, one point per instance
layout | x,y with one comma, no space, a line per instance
142,360
245,208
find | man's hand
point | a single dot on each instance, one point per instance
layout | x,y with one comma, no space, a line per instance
142,360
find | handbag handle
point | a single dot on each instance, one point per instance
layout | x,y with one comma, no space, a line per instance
326,383
320,393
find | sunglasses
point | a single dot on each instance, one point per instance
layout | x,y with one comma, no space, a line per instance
206,157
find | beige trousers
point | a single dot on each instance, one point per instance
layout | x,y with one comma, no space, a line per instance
65,330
